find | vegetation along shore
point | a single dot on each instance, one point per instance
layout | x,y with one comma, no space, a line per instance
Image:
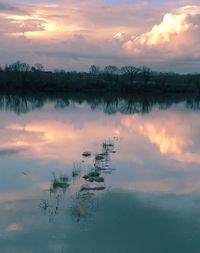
127,79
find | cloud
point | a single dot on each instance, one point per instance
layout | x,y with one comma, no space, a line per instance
7,7
169,38
171,25
78,47
77,34
20,26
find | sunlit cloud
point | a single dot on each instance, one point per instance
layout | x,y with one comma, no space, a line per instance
119,37
176,29
171,25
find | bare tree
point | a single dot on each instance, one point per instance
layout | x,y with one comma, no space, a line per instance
37,67
95,70
19,67
110,69
146,73
130,71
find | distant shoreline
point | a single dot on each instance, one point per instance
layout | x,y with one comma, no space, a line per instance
129,80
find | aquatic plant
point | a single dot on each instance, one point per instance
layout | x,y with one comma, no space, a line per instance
44,205
108,143
76,171
59,183
92,188
92,174
99,157
94,181
86,154
99,179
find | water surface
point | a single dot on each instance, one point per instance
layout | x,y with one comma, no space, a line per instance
149,200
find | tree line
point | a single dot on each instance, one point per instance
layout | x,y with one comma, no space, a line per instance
22,76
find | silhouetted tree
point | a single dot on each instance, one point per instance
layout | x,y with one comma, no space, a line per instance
59,71
37,67
95,70
146,74
110,69
19,67
130,71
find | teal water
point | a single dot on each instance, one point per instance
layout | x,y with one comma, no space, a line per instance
149,200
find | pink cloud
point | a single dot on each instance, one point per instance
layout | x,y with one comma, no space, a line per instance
176,32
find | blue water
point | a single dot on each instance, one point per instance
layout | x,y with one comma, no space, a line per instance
149,200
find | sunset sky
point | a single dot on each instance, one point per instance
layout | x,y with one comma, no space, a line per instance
74,34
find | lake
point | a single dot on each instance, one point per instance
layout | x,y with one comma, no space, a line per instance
99,175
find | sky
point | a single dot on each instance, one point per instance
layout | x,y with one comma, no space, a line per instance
74,34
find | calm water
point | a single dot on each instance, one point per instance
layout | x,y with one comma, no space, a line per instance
149,159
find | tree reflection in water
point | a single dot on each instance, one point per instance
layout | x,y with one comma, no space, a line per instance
111,104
